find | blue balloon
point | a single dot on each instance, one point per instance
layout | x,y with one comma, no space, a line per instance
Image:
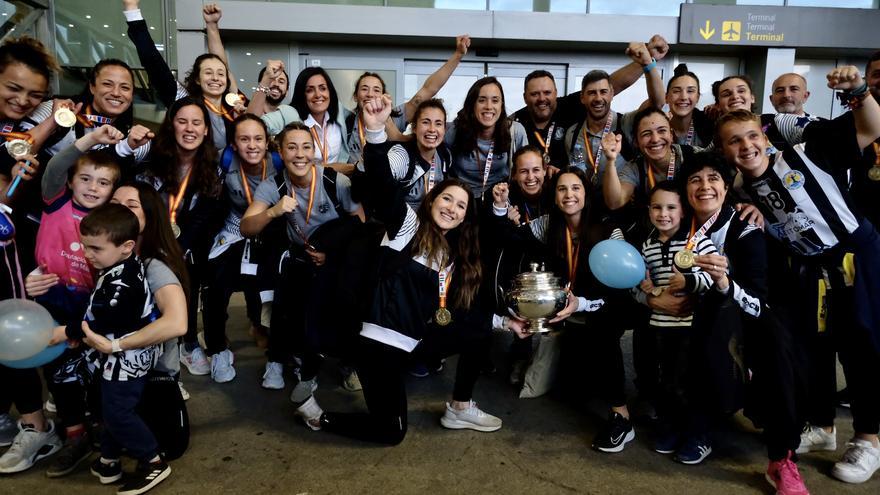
617,264
45,356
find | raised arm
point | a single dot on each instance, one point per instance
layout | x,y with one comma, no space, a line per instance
55,175
640,54
627,75
436,80
212,14
616,193
157,69
865,109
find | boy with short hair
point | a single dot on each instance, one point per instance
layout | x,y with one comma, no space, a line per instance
120,305
669,255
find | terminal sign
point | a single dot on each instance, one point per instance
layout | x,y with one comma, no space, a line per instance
777,26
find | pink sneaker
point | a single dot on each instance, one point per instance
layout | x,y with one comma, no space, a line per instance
785,477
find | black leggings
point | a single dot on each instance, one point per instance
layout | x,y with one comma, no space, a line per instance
21,388
222,278
382,370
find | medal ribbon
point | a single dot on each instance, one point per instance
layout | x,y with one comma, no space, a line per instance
488,166
444,278
308,214
689,140
246,186
360,128
546,145
10,136
322,145
594,162
174,201
695,234
876,155
571,256
219,111
670,171
88,119
430,176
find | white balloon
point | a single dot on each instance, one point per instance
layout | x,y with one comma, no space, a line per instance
25,329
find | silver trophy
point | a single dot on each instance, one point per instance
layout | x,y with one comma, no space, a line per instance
537,295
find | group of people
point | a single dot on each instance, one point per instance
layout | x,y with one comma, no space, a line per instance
382,237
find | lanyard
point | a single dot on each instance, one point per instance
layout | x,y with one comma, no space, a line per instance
323,147
430,176
670,171
876,155
695,234
571,256
360,128
488,166
10,136
244,182
308,214
594,162
546,145
174,201
219,111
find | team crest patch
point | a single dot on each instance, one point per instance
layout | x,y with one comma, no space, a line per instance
793,180
324,207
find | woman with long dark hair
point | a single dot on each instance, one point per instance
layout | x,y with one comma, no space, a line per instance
483,139
426,304
182,167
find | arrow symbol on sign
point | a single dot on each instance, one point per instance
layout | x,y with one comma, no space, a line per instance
708,32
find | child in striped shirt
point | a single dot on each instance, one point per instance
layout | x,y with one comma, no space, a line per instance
666,253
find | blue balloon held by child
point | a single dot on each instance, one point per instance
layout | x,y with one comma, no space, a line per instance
45,356
617,264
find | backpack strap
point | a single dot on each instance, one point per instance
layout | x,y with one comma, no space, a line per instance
329,177
226,159
281,184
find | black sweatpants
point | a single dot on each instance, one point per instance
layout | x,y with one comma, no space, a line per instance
382,370
22,388
222,278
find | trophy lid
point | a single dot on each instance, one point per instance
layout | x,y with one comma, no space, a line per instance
536,278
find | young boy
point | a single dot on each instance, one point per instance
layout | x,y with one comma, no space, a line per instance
121,304
803,193
75,181
668,254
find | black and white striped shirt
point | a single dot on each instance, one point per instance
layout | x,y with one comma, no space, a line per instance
804,198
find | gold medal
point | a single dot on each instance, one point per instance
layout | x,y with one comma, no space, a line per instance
546,159
65,117
684,259
874,173
18,148
175,229
232,99
442,317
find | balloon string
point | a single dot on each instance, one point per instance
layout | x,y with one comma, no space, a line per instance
18,270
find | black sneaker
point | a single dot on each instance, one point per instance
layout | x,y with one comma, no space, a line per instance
615,434
843,398
145,477
107,473
71,455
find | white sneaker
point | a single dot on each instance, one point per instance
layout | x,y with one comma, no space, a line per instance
29,447
273,377
303,390
471,418
815,438
221,366
311,413
859,462
196,362
49,405
183,393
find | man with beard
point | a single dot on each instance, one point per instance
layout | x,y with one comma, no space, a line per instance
790,94
546,117
271,90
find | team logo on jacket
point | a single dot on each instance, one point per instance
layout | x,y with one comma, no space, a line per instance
793,180
324,207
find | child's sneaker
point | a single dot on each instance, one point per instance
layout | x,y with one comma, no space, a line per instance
107,472
75,451
785,477
694,450
28,447
145,477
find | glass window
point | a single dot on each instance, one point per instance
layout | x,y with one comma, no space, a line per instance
453,92
637,7
87,31
345,79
